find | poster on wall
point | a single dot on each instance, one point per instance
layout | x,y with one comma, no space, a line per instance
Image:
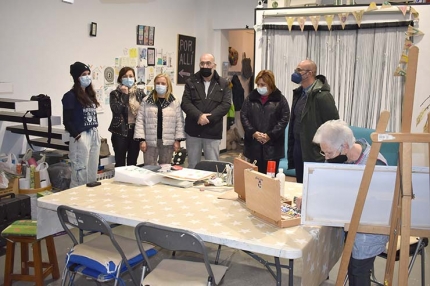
186,58
145,35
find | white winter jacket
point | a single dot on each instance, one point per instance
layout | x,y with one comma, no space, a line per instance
173,122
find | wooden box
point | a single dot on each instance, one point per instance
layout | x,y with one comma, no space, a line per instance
240,166
263,198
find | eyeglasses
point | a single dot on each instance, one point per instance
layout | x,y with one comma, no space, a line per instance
205,64
331,154
299,70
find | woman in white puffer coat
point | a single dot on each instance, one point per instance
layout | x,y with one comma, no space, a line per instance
160,123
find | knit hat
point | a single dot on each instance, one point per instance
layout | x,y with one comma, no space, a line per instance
77,69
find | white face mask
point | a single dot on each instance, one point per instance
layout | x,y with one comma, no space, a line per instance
127,81
262,90
161,89
85,80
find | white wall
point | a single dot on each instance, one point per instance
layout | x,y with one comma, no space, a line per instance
40,39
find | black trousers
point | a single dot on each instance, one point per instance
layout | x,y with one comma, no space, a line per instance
261,163
359,271
125,147
298,160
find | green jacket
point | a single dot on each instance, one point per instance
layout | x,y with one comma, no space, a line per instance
319,108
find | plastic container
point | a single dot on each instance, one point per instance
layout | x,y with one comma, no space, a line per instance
281,177
271,167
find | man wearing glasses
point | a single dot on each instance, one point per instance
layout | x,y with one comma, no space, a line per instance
206,100
312,105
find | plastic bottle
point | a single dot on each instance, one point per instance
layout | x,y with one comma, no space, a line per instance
281,177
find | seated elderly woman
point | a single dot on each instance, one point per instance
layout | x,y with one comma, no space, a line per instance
338,145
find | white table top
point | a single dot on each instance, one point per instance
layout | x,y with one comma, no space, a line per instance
219,221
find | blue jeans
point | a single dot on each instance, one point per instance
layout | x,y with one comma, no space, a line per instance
194,149
84,157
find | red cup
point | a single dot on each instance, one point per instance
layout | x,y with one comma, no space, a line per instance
271,167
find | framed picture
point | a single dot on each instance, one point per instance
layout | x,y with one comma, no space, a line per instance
93,29
151,56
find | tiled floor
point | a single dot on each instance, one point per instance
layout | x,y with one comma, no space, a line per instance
243,270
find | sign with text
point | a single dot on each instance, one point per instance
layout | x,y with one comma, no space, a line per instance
186,58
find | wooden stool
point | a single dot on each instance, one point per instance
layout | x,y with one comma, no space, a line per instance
25,232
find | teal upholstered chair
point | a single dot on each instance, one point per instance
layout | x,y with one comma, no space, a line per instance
389,150
283,163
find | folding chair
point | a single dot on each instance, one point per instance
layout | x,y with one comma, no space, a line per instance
417,247
212,166
175,271
103,258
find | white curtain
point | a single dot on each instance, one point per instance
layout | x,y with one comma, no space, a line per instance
359,66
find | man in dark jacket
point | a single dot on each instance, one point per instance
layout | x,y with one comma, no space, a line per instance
206,99
312,105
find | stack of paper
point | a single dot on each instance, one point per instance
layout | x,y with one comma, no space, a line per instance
136,175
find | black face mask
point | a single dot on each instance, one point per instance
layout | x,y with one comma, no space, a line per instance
339,159
206,72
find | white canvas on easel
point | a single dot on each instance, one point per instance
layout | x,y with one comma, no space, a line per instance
330,192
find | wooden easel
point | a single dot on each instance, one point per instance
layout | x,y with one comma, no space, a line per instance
400,221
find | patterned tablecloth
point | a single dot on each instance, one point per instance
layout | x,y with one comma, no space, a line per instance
221,221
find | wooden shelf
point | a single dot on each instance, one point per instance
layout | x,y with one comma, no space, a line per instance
34,130
18,105
55,144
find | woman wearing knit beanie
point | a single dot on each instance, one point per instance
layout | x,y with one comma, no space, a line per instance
125,102
80,120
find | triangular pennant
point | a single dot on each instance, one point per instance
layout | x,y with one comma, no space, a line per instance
290,21
372,6
399,72
315,21
329,20
403,9
404,59
385,5
301,21
408,44
358,16
412,31
342,18
415,13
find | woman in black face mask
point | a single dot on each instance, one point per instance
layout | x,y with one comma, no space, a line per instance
338,145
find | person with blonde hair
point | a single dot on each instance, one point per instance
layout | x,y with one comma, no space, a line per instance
125,102
264,115
160,123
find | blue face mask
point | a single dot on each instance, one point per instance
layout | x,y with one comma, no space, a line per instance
85,80
262,90
127,81
160,89
296,77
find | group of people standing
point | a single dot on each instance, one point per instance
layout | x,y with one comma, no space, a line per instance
155,125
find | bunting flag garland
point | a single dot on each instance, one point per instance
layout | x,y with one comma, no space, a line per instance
412,31
329,21
415,13
399,72
302,21
372,6
358,16
342,18
404,9
408,44
385,5
290,21
315,21
404,59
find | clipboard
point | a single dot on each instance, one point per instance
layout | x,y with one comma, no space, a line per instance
263,198
240,166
